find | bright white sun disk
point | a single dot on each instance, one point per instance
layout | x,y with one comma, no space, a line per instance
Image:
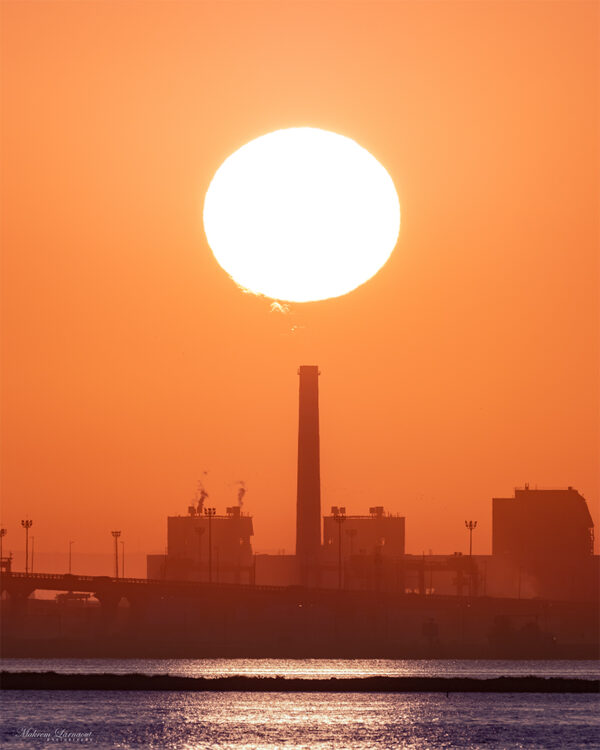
301,215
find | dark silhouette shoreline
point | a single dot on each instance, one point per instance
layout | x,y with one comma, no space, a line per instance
241,683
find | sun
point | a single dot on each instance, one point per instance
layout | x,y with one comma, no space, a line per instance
301,214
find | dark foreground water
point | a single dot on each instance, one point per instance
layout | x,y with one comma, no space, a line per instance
270,721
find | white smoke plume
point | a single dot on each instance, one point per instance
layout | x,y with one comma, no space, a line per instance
241,492
201,494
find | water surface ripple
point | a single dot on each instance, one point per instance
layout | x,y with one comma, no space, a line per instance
270,721
314,668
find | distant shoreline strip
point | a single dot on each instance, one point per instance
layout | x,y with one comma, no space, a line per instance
241,683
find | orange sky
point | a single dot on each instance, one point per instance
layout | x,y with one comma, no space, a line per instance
131,363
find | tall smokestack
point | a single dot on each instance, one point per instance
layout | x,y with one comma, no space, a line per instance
308,503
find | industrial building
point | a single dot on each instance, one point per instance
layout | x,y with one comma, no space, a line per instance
353,545
376,534
542,541
204,546
542,523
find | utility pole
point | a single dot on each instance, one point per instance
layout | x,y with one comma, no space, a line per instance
70,555
351,533
2,535
339,516
116,535
210,513
27,524
200,531
471,525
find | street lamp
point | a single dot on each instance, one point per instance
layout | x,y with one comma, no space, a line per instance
209,513
122,559
70,545
200,532
339,516
27,525
351,534
471,525
116,535
2,535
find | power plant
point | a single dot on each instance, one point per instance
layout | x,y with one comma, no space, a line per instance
349,590
367,552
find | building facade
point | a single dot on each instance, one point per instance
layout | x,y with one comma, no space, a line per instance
206,547
543,540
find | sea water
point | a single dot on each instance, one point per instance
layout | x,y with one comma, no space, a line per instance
270,721
314,668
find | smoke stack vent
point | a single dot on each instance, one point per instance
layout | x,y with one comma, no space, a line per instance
308,507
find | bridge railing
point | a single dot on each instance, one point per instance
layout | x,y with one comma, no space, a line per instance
70,580
71,577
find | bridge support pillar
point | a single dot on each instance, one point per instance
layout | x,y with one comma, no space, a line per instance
108,609
18,604
138,607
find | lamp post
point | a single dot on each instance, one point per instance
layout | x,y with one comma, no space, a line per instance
209,513
116,535
2,535
27,524
351,534
339,516
471,525
32,551
122,559
200,531
70,555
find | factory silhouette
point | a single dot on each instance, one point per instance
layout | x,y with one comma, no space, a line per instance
542,541
349,590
